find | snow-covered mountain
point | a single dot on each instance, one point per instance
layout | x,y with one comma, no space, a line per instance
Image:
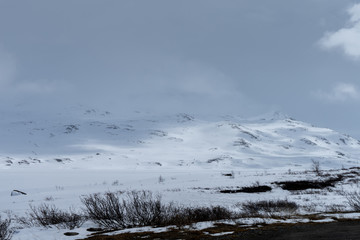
56,158
98,139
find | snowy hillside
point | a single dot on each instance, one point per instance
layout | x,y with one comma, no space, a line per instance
195,161
98,139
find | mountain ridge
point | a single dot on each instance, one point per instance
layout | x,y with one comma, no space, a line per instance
98,138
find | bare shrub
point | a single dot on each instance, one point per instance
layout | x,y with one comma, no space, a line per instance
310,207
135,209
309,184
145,209
106,210
354,200
271,208
5,231
188,215
49,198
208,213
161,179
256,188
49,215
315,167
335,208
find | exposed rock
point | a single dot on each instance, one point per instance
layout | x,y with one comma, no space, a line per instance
17,193
71,233
71,128
95,229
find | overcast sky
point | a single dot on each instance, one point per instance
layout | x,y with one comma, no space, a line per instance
242,57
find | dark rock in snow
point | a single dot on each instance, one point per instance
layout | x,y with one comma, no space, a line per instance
17,193
71,233
95,229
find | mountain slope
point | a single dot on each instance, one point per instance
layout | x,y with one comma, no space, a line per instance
93,139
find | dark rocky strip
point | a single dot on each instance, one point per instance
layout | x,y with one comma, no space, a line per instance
341,230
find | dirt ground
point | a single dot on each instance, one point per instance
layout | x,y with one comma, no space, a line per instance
346,230
343,230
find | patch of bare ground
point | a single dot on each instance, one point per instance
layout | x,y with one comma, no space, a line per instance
344,229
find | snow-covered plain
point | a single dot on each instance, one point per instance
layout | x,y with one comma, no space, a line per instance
58,158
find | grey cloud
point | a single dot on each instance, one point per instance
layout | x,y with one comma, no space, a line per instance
347,38
341,92
170,85
7,69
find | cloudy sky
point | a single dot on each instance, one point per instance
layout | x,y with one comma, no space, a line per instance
242,57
